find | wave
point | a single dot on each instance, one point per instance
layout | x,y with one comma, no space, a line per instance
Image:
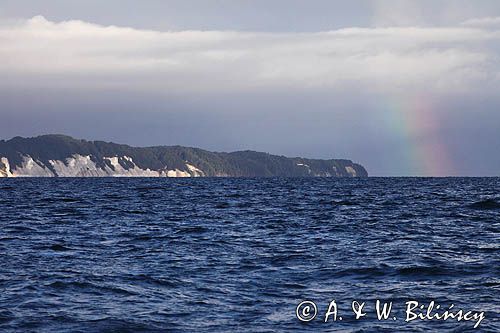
59,248
485,204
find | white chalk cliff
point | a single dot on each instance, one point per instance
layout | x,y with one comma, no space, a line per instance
83,166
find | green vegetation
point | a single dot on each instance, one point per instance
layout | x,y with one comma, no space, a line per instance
236,164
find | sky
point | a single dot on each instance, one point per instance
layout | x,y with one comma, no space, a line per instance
406,88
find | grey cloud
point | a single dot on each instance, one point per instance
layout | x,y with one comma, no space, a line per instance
376,59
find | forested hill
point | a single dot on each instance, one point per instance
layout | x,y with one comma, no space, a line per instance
60,155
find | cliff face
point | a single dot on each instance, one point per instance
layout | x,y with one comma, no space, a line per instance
63,156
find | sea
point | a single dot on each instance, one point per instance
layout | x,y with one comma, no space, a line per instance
249,255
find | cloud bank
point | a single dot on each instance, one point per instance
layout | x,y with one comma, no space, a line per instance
391,59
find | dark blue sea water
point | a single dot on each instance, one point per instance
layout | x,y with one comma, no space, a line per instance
239,255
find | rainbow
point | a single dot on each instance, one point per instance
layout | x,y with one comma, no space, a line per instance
417,126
